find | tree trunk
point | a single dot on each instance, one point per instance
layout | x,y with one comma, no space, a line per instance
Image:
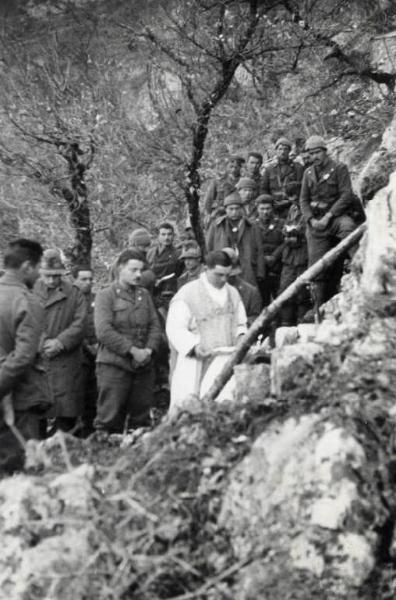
76,197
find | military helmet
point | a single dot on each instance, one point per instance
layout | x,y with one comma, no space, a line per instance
314,142
52,262
284,141
192,251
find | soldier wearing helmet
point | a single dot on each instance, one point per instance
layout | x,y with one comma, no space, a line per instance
326,200
192,257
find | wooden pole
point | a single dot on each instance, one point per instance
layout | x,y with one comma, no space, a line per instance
273,309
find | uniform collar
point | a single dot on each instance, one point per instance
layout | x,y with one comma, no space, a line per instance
9,278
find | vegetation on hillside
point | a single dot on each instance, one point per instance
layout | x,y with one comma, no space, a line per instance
115,113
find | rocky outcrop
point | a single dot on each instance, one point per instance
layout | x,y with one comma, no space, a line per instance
45,534
306,503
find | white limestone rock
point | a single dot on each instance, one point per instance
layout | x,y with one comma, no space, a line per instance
296,494
45,530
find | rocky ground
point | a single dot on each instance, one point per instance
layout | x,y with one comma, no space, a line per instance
285,494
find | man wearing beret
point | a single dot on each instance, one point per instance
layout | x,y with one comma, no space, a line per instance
326,202
270,226
235,230
219,188
65,322
248,189
282,179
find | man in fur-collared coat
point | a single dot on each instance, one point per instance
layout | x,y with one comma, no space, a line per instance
234,230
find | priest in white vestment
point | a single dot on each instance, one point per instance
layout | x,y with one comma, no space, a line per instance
204,316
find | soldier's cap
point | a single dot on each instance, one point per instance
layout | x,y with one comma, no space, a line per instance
232,199
235,261
237,158
246,183
284,142
315,142
265,199
51,263
139,237
191,251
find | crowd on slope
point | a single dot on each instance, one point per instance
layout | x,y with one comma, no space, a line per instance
81,363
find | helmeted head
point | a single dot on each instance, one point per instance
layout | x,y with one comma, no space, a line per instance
191,255
52,268
317,148
140,239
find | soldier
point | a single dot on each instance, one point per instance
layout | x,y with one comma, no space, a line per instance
294,261
249,293
218,189
164,260
326,201
248,190
128,331
192,257
282,179
65,314
253,168
140,241
24,390
83,279
234,230
270,226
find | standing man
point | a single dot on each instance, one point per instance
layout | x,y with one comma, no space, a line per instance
282,179
219,188
192,258
205,314
253,168
270,226
294,263
83,279
249,293
129,333
326,201
24,391
65,314
248,190
234,230
164,260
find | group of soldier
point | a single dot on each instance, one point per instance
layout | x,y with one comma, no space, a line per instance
79,363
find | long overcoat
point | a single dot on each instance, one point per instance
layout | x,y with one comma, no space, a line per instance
248,246
65,320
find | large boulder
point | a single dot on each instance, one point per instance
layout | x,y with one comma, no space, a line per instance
301,502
